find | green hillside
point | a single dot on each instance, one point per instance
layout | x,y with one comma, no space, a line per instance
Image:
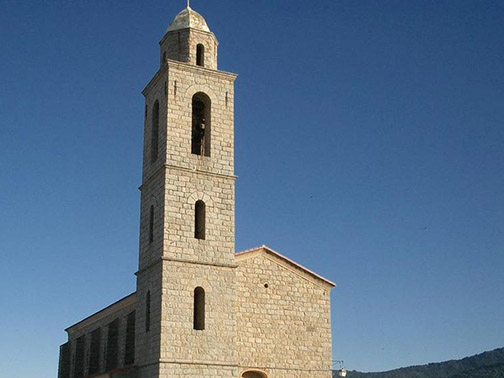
485,365
491,371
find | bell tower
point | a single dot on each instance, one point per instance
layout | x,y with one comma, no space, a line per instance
186,297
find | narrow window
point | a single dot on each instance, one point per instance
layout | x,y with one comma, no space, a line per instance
201,124
79,358
155,132
94,354
112,345
151,224
147,312
129,350
179,45
199,220
199,309
164,58
200,55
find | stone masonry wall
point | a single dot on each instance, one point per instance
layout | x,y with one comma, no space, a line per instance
180,342
171,370
153,194
181,45
183,189
183,82
148,342
156,90
188,177
284,328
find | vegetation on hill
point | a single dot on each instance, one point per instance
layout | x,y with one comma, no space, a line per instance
491,371
485,365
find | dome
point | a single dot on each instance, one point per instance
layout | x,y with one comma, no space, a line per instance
188,19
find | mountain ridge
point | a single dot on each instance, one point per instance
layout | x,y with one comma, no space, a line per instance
489,364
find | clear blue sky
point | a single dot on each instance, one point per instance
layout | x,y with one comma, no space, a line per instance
369,148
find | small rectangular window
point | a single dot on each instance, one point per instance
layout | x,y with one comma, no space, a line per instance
112,345
200,55
94,353
155,132
129,352
147,312
151,224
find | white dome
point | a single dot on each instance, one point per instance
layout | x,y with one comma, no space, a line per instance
188,19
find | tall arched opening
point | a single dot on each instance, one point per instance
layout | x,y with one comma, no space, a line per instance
201,124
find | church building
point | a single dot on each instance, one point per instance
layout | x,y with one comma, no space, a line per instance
200,310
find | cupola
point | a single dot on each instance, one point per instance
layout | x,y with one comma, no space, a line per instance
188,39
188,18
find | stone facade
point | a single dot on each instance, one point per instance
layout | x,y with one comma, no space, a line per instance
283,316
200,310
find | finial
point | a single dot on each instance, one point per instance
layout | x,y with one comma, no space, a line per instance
188,4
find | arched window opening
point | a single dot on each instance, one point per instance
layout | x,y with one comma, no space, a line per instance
199,220
254,374
200,55
155,132
151,224
199,309
147,312
201,125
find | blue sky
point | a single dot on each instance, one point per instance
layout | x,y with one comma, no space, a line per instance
369,148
